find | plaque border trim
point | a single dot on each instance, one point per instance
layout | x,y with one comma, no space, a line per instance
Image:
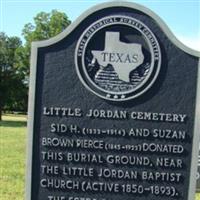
196,139
32,86
31,109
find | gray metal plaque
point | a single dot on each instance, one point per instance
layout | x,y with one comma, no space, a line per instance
113,109
198,172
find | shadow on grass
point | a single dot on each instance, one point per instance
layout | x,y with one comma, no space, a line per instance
6,123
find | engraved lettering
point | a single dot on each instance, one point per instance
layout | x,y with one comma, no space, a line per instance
169,162
116,114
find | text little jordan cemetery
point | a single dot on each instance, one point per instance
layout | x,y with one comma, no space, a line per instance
113,110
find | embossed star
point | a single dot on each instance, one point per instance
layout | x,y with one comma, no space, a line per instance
108,95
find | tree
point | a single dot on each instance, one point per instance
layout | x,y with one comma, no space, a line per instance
14,58
45,26
11,80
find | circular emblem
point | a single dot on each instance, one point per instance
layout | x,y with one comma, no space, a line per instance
118,58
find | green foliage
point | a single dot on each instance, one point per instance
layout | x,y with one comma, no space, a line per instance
15,57
45,26
13,92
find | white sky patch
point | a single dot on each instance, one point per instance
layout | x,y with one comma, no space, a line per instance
193,43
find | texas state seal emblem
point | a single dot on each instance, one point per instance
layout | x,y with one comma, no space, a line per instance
118,58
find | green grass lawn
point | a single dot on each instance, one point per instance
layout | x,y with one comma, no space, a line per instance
12,157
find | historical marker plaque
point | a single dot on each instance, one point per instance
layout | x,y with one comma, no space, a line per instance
112,110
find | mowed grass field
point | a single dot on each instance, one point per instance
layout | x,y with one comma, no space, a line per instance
12,157
13,137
